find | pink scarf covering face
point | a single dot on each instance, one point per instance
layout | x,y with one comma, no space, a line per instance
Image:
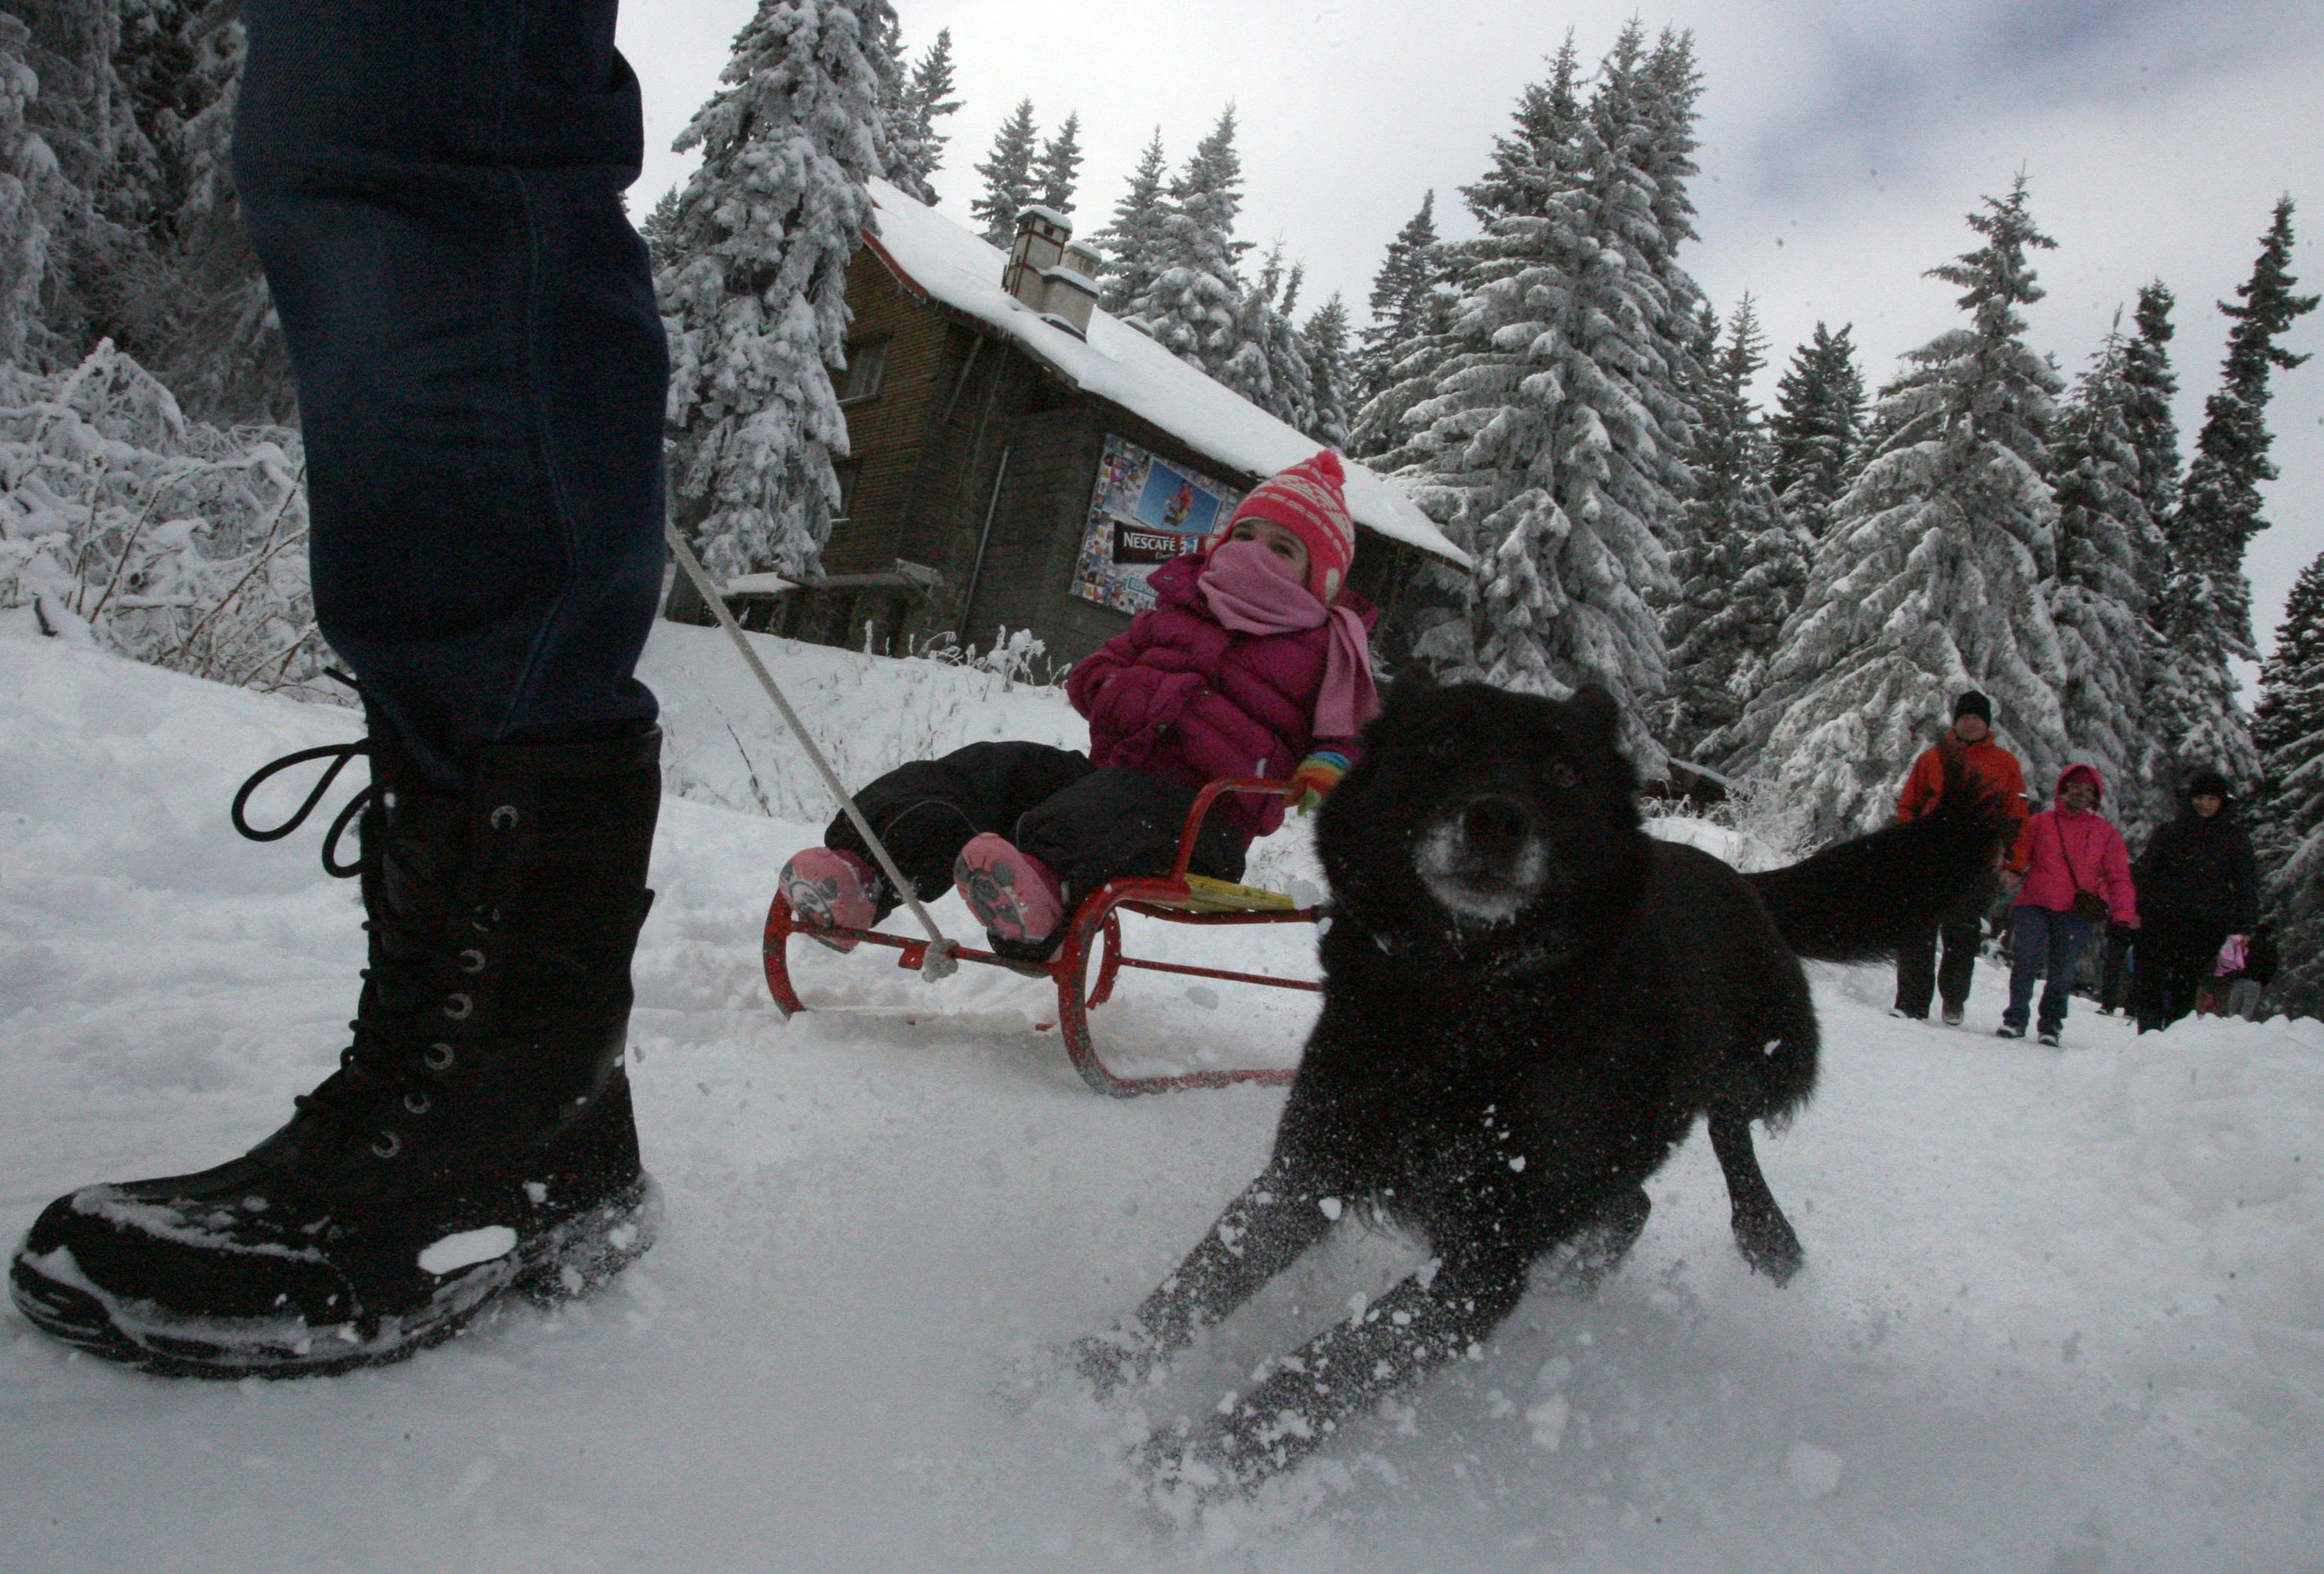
1250,590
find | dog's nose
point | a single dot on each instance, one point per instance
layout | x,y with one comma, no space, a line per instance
1495,827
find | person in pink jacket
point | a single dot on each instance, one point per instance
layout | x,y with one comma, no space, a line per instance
2077,875
1254,661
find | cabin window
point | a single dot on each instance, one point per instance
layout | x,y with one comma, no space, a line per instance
867,367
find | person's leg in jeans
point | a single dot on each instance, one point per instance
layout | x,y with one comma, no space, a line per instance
2029,949
433,187
2069,933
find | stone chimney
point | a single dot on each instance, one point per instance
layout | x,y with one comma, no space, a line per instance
1051,272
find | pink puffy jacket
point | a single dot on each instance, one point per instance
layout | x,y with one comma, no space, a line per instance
2055,846
1179,694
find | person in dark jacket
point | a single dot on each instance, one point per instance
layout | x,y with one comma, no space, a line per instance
2197,883
1989,768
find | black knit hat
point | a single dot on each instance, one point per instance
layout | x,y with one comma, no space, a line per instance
2208,784
1974,704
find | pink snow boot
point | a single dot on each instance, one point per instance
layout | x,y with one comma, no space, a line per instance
833,888
1012,894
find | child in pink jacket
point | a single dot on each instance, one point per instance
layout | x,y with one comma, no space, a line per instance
2069,852
1255,661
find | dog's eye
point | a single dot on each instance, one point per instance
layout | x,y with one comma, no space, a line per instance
1562,775
1443,745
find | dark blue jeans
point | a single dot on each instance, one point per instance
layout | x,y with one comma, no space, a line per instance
434,187
2040,939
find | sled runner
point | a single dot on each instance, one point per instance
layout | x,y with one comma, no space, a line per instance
1094,931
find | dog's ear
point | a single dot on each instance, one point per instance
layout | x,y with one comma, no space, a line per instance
1597,712
1407,687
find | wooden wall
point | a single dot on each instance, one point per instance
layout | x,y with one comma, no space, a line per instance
955,399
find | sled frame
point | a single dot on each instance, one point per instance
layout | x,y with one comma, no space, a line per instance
1094,934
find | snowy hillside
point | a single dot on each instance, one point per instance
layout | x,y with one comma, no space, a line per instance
2063,1313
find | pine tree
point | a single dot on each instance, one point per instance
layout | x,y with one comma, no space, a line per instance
2205,616
1818,423
1719,632
1550,448
2289,819
756,304
1009,179
2148,387
1327,349
33,198
915,101
2095,601
1529,160
1132,243
1411,310
1059,167
1193,308
1929,580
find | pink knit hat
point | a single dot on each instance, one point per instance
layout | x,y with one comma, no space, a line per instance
1309,501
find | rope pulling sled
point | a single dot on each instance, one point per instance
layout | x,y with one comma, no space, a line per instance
1094,928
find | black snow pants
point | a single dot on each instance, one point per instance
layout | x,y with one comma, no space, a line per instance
1088,824
2174,957
1919,975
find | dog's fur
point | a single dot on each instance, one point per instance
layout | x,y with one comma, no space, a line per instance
1527,1002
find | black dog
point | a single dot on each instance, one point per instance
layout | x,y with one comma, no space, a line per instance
1527,1002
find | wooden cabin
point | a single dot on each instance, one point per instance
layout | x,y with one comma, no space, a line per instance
1020,459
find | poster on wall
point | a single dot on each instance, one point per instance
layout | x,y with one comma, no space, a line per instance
1144,511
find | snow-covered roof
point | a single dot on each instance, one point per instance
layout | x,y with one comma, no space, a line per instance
937,257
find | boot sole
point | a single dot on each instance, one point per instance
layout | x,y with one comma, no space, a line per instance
571,1259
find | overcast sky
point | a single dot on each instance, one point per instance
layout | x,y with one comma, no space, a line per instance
1842,144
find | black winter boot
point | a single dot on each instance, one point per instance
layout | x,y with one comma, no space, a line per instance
476,1137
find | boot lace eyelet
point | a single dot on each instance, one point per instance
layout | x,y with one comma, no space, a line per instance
506,817
458,1007
440,1057
472,960
418,1102
386,1144
485,920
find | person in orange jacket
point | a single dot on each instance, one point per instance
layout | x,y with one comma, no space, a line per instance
1993,770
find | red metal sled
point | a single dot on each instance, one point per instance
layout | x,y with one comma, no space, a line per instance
1096,929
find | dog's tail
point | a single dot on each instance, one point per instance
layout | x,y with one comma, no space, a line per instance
1861,899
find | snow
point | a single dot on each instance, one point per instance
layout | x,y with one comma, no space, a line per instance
937,258
2061,1311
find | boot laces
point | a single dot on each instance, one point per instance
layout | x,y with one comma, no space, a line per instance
414,976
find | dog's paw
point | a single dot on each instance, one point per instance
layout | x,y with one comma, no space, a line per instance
1770,1244
1183,1470
1109,1361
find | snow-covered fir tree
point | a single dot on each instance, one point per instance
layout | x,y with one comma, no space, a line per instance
1010,184
2096,600
1272,365
1551,449
1720,629
2288,821
1395,365
2148,386
1131,244
118,118
2204,621
30,202
1058,170
915,101
1819,422
756,304
1193,309
1929,580
1327,355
